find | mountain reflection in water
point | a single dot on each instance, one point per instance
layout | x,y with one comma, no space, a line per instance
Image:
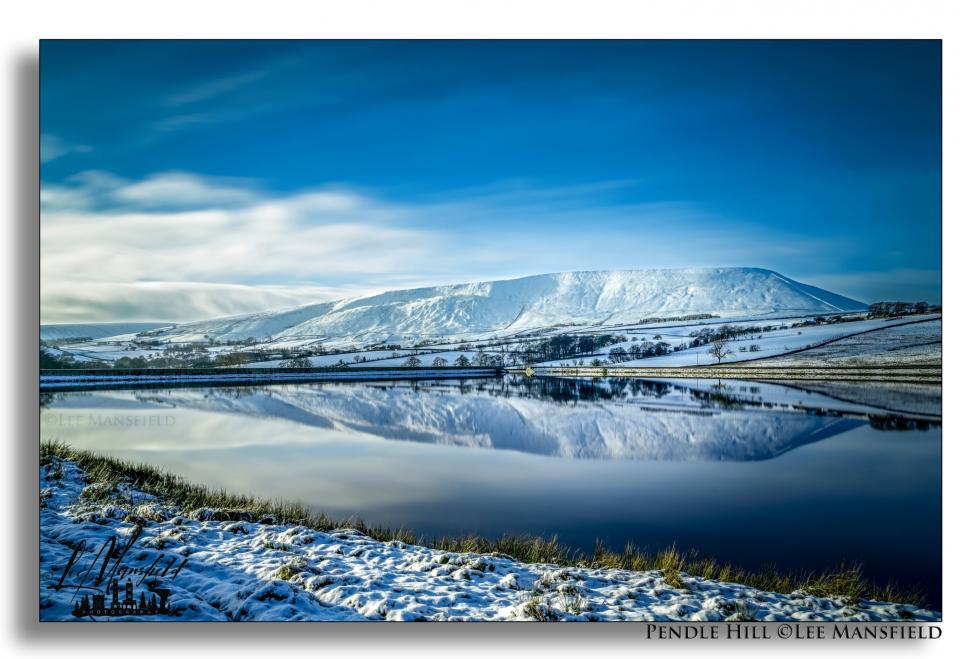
608,419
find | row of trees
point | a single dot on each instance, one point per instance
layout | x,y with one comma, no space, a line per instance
638,351
52,360
480,359
565,346
707,335
884,309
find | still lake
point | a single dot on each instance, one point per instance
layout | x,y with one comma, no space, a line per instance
750,473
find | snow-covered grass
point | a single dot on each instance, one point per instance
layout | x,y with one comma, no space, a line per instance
774,343
896,345
252,560
107,351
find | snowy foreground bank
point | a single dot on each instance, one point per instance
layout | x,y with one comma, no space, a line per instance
239,571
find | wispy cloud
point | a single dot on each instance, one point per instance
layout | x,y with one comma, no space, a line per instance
214,88
229,97
181,121
52,147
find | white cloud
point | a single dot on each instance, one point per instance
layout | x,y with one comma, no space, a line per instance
180,190
179,247
62,197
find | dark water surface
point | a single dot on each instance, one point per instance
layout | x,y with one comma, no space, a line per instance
755,474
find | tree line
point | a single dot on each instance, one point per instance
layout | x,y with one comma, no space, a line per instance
886,309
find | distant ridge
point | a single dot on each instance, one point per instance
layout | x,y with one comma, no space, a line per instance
94,330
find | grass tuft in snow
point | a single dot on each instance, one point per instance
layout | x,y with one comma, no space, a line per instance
540,611
288,571
105,473
846,583
673,579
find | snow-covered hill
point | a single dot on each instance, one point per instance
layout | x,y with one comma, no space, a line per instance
567,298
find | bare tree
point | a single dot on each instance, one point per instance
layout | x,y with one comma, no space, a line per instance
718,349
412,362
618,355
440,361
297,362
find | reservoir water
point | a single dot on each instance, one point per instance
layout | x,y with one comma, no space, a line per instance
802,477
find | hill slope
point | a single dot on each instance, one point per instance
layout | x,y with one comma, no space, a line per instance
593,297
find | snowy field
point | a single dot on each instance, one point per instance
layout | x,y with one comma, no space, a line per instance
899,345
770,344
916,339
105,350
239,571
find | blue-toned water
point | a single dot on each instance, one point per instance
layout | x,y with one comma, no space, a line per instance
750,473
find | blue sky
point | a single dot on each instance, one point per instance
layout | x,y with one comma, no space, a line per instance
186,179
